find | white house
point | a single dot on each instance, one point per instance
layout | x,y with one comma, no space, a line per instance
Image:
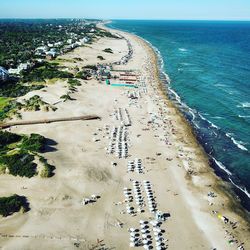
58,44
51,54
4,75
24,66
14,71
84,40
41,50
21,66
69,41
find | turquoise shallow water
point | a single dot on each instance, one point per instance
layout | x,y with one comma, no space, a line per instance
209,67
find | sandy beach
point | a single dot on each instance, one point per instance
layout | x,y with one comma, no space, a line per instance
173,175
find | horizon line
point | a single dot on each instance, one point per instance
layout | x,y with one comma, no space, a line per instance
127,19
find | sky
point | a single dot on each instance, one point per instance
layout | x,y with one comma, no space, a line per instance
127,9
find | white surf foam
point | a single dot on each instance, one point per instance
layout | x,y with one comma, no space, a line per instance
217,117
244,105
221,166
182,49
220,85
239,144
243,189
187,64
205,119
244,116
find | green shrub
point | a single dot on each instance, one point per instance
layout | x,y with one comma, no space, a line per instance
34,143
82,75
13,204
48,170
48,71
108,50
101,58
17,89
74,82
66,97
93,67
20,164
8,138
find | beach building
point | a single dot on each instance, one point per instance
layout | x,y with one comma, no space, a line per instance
21,67
24,66
4,75
42,49
58,44
50,57
51,54
83,41
69,41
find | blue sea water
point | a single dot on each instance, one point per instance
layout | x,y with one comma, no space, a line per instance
208,63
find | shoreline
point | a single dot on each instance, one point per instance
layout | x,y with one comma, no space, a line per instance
223,186
220,171
236,190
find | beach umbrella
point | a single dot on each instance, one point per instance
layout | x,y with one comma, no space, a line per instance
132,244
159,248
144,226
153,222
158,238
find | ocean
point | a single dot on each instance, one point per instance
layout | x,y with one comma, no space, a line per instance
208,63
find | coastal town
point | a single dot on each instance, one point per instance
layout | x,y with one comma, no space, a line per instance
93,154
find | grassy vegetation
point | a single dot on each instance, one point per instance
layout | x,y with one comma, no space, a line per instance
66,98
7,138
47,71
108,50
84,75
35,103
4,102
13,204
13,107
19,164
73,83
48,170
14,89
93,67
104,33
33,143
17,154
